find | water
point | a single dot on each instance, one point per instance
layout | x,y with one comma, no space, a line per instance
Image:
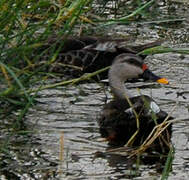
74,118
70,113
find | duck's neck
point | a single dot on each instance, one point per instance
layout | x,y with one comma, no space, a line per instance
118,87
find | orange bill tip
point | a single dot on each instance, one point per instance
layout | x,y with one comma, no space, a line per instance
163,81
144,67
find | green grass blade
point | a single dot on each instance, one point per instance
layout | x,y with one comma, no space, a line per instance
17,80
168,164
162,49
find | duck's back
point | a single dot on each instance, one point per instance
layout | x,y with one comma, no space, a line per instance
118,121
79,55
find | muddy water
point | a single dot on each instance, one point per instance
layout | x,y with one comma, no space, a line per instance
69,114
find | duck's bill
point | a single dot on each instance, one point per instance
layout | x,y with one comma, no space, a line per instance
148,75
163,81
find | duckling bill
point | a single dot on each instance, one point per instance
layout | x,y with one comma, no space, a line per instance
117,121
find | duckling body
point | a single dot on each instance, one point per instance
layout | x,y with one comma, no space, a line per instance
118,119
89,54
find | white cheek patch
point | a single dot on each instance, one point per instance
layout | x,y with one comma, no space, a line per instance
154,107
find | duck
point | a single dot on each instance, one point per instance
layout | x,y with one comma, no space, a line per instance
117,121
87,54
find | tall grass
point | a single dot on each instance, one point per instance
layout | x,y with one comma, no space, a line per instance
24,27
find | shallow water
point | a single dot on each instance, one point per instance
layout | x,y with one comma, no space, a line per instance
70,113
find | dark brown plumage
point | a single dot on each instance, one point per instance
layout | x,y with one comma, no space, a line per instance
89,54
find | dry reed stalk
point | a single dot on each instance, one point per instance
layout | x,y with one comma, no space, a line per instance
5,75
155,133
61,154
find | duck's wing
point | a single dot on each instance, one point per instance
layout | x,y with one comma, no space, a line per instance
120,46
106,45
70,43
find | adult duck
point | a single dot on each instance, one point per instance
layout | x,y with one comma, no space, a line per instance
117,121
80,55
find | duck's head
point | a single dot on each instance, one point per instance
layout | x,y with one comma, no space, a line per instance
129,66
149,75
